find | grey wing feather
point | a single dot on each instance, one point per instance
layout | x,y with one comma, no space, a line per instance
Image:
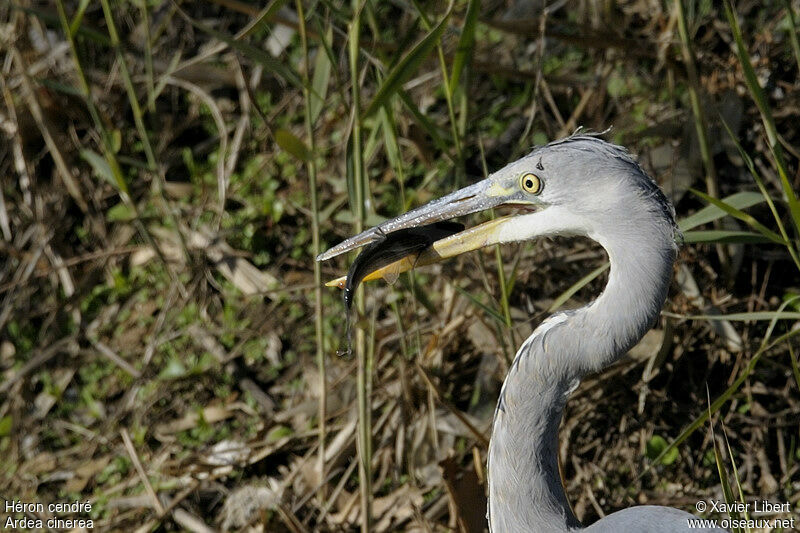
650,519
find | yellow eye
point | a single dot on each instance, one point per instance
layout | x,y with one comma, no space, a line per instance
530,183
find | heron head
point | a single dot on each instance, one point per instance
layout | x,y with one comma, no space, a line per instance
580,185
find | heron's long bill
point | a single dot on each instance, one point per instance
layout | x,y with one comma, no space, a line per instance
491,192
465,241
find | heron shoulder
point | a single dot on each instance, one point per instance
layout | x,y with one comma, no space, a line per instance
650,519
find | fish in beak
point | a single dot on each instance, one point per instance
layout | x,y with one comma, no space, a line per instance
402,244
513,185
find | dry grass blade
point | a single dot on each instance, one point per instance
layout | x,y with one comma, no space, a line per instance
55,152
126,439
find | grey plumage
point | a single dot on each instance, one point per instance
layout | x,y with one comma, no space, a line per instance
586,187
525,492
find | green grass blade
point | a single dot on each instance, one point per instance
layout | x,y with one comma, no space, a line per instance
733,467
757,178
465,43
129,88
710,213
575,287
482,306
766,113
392,147
778,314
749,73
440,140
75,24
723,474
448,93
101,168
248,50
795,366
723,237
700,121
793,34
790,247
319,328
265,15
407,66
721,399
741,215
358,180
292,144
320,80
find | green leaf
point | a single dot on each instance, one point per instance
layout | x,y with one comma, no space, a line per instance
407,66
723,237
120,213
791,299
292,144
465,43
61,87
320,80
655,450
99,165
279,432
5,425
710,213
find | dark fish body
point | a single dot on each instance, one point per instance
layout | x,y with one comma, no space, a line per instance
392,247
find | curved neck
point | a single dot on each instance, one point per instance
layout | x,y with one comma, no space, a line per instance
525,491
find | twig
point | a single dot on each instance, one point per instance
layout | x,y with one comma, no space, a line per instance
479,436
138,465
191,522
109,354
37,360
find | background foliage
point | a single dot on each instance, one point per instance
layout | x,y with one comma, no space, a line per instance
171,169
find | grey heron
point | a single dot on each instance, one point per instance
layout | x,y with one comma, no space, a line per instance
579,186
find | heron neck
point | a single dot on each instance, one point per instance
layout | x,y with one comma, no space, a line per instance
525,490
